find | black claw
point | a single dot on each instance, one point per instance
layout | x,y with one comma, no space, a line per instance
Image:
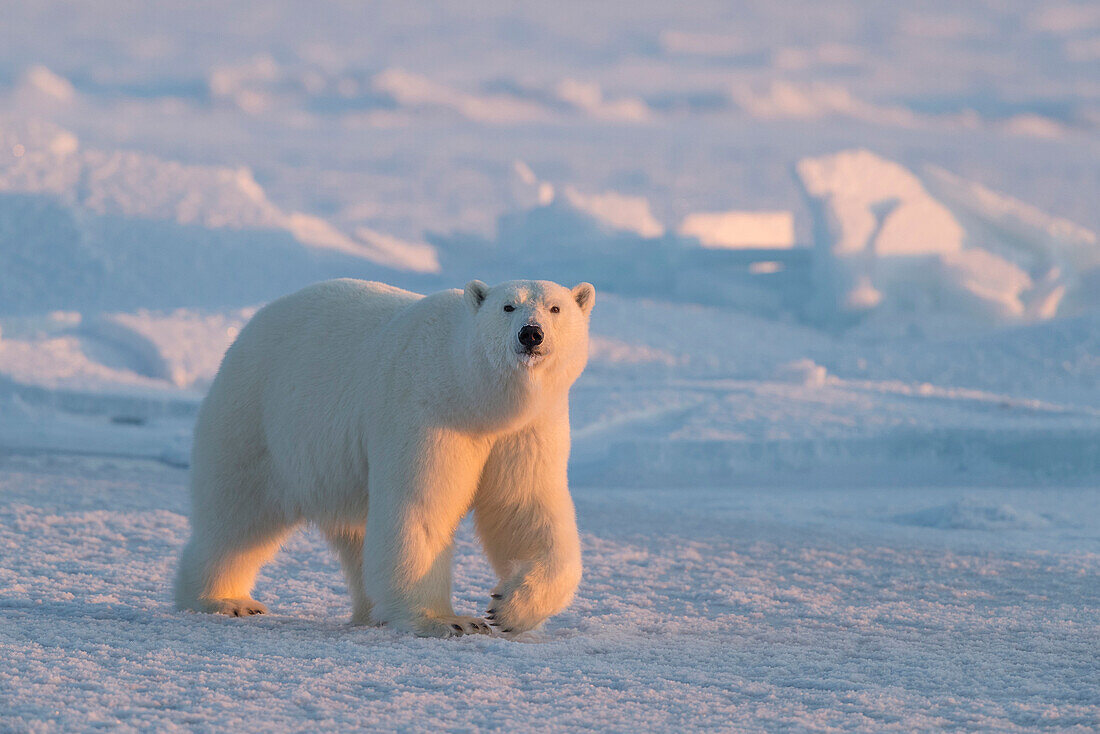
496,596
492,611
456,627
506,631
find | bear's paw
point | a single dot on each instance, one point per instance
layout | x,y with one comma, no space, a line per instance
514,609
234,607
451,626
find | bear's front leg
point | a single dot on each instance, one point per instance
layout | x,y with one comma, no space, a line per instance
527,524
420,484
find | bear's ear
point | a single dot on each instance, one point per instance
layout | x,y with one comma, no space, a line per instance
585,296
475,294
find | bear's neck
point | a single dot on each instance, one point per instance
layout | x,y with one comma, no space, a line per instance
491,399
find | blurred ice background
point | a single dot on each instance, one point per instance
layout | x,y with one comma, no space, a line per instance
847,268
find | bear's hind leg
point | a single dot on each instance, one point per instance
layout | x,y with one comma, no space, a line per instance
347,541
218,566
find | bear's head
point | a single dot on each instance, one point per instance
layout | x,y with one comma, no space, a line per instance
533,326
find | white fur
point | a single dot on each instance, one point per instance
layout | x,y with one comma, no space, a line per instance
427,402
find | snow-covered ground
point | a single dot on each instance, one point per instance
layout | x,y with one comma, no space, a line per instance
837,449
708,609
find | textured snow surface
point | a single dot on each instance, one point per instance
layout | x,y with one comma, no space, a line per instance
835,452
701,610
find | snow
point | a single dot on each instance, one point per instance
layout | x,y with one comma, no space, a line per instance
835,450
414,90
182,347
41,81
802,372
397,253
700,609
736,229
785,100
617,212
887,244
588,96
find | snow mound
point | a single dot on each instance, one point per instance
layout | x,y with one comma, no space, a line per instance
40,84
589,98
95,230
1067,254
416,91
377,247
972,514
66,361
804,372
604,238
126,184
785,100
884,243
245,84
136,185
545,212
740,229
63,350
615,211
185,346
419,257
875,206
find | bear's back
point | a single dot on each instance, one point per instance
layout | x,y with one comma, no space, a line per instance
342,306
290,375
330,318
297,349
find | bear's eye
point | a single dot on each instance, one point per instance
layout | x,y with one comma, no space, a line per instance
509,308
555,309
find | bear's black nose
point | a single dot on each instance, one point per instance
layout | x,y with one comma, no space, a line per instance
530,336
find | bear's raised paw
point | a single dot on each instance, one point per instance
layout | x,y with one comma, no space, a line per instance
514,608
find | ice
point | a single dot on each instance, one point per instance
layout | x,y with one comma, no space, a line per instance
1066,254
875,207
884,243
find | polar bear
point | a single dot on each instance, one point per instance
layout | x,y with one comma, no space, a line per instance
349,395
